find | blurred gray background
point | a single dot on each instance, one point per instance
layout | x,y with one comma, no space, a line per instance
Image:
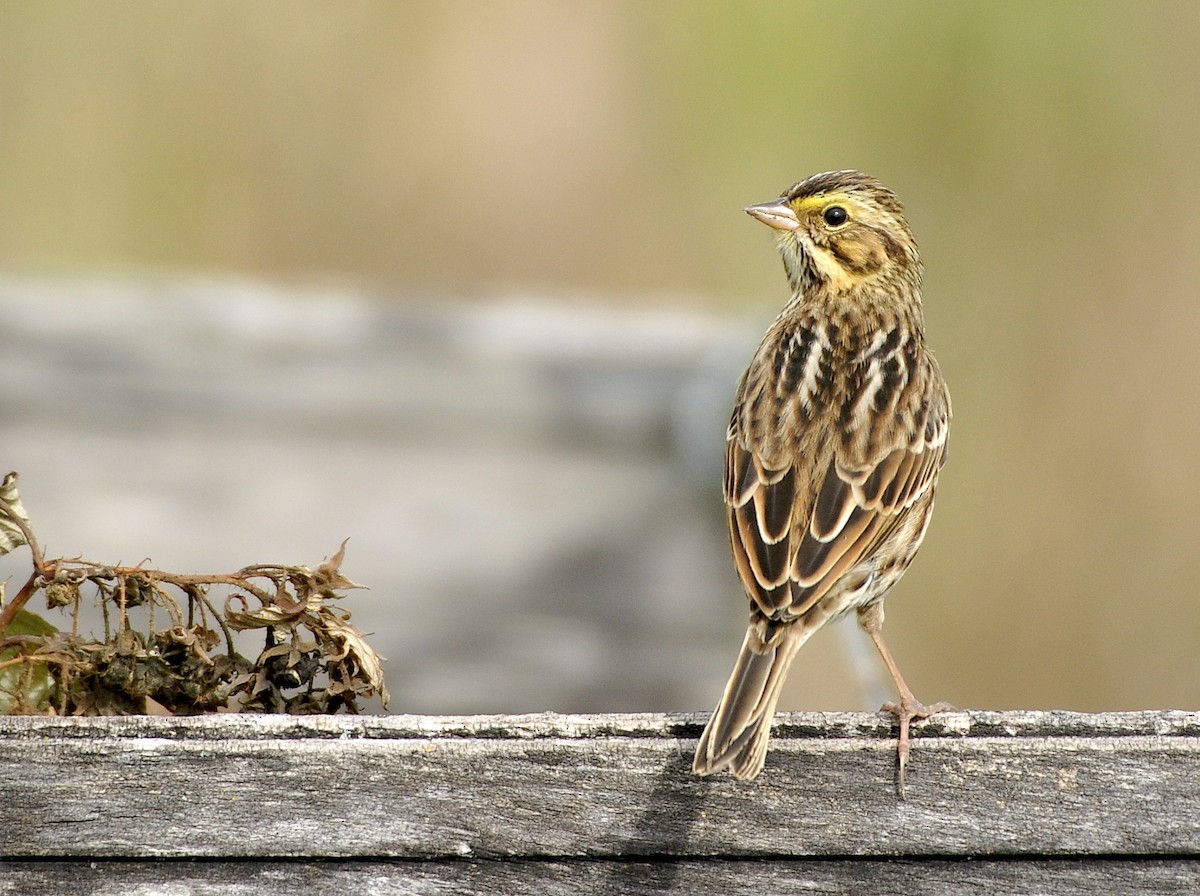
470,284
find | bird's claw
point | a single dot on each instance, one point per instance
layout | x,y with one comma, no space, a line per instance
905,711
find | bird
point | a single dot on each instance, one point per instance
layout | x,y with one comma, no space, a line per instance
833,451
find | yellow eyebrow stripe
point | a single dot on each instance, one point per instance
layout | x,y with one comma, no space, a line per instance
821,200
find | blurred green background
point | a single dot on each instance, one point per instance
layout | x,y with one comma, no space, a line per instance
600,153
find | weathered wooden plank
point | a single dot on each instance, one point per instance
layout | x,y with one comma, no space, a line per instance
973,723
752,877
1034,784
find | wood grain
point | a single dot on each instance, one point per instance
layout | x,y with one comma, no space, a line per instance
553,787
835,877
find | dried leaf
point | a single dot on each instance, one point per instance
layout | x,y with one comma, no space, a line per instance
268,615
356,650
14,521
329,576
25,686
313,661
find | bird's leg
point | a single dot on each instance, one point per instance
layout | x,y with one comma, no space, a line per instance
909,707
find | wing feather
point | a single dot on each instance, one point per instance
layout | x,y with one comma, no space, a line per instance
794,538
853,549
768,561
741,476
881,479
814,557
773,505
833,507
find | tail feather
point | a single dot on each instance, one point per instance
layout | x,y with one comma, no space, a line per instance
737,733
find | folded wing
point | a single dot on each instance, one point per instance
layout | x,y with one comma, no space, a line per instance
792,540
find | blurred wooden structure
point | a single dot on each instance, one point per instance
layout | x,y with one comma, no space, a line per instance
1014,802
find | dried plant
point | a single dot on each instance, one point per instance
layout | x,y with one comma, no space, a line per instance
167,648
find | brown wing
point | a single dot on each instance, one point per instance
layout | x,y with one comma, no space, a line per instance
791,540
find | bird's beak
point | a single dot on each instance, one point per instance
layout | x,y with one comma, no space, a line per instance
775,213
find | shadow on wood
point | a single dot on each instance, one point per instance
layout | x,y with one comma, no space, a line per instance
665,825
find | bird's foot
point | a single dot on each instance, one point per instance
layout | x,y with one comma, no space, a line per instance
905,711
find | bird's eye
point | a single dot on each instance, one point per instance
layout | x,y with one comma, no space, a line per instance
835,216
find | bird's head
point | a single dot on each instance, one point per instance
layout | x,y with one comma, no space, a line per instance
841,231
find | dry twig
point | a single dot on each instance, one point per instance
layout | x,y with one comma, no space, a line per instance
313,660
